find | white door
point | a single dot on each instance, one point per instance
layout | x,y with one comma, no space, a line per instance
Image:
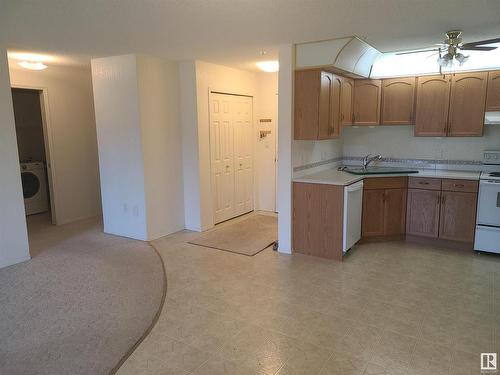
231,154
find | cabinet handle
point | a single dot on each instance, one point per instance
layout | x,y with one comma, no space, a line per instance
423,183
459,185
443,199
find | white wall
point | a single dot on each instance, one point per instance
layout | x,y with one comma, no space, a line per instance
161,146
13,234
308,152
285,136
194,106
139,145
72,123
116,99
399,142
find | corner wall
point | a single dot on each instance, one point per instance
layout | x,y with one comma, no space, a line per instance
139,145
13,233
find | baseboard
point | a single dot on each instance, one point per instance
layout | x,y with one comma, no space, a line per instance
10,262
456,245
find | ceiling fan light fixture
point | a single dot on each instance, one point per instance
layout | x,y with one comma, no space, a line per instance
461,58
446,60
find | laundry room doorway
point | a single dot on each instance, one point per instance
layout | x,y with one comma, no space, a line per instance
34,147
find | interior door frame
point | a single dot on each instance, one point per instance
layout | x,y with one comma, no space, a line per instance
48,143
212,182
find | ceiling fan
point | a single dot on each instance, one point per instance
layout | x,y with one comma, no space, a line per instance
452,47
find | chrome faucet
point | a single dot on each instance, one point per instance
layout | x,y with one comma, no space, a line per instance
369,158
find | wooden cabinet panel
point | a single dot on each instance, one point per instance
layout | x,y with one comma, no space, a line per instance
424,183
493,94
318,212
334,120
371,183
394,212
433,99
458,216
306,104
461,185
367,96
324,105
467,103
347,93
422,213
398,101
373,213
316,105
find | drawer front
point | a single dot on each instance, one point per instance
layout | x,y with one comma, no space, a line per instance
424,183
467,186
374,183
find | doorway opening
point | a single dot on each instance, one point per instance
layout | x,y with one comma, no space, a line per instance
33,142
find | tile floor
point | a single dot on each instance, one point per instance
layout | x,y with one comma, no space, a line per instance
389,308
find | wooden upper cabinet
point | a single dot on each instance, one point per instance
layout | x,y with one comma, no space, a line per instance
347,95
467,103
493,95
398,101
422,213
367,97
458,216
433,99
317,105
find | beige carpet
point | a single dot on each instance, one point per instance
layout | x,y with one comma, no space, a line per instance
247,237
80,304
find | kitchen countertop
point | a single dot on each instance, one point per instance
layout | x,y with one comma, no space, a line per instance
335,177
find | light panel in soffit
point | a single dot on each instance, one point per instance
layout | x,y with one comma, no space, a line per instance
391,65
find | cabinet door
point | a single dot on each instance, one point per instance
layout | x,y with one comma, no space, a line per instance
367,101
373,213
398,101
458,216
335,107
493,95
306,104
325,98
467,103
394,212
347,92
431,112
422,213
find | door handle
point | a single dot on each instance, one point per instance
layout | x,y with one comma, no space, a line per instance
498,199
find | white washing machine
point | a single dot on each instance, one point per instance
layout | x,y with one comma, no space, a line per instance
34,187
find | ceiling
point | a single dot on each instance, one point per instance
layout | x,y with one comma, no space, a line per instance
231,32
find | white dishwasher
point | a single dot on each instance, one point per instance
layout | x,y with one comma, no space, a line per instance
353,206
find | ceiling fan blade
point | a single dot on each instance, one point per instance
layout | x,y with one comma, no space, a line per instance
481,42
419,51
478,48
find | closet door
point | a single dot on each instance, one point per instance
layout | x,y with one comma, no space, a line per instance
222,156
243,160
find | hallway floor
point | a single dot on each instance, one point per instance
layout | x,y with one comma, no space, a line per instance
389,308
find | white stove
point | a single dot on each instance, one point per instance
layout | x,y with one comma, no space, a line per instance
488,206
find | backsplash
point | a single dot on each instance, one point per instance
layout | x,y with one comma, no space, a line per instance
398,146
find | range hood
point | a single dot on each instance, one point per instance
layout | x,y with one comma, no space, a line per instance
492,118
350,56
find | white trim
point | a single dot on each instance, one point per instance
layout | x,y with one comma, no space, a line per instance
49,146
10,261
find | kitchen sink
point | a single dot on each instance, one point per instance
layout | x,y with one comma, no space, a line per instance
378,170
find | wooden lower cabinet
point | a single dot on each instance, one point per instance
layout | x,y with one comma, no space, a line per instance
422,213
384,207
457,216
318,214
373,213
447,214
